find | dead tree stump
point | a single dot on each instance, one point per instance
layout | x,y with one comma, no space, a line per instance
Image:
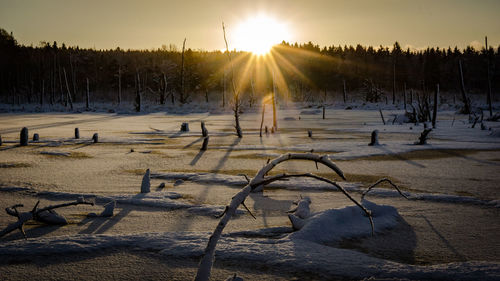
36,137
204,131
185,127
23,141
205,143
95,138
374,139
146,185
77,133
423,137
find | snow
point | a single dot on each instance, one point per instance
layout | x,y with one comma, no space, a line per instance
291,255
314,248
333,225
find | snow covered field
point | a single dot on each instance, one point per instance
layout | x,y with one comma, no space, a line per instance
448,229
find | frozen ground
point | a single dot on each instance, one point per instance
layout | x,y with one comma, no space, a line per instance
447,230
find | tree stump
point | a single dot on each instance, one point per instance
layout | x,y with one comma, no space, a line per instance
423,137
36,137
23,141
374,139
77,133
95,138
146,185
185,127
205,143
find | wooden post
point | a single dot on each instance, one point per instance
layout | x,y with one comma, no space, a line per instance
87,99
68,94
488,76
434,114
462,88
77,133
323,112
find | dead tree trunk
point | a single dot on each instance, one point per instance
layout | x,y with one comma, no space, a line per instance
119,84
394,83
381,115
138,94
466,101
262,119
404,95
488,75
68,93
165,84
182,73
204,146
87,96
236,107
434,113
275,121
345,92
204,131
224,88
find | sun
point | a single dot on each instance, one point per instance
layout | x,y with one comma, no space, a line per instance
259,33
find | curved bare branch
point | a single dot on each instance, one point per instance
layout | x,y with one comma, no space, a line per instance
206,262
379,182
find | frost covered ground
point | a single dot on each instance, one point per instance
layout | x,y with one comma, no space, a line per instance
447,230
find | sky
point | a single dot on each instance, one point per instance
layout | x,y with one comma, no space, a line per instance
147,24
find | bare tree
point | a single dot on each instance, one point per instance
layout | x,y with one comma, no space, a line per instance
236,106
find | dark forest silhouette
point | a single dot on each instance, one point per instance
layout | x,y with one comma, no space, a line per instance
50,74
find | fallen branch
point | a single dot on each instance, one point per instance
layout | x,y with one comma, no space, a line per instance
260,179
34,214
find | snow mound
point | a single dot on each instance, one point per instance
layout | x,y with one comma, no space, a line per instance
333,225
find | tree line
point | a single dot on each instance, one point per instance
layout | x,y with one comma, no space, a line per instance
50,74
